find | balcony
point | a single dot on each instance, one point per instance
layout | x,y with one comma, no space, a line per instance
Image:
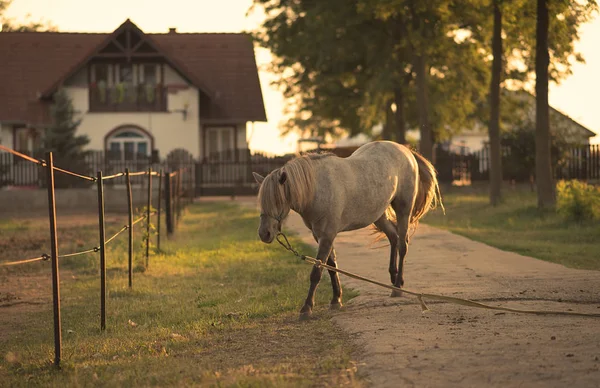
127,98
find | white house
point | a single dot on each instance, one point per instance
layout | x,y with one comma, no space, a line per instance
135,92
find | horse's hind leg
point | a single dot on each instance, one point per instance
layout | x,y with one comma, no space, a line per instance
325,247
403,219
336,301
389,229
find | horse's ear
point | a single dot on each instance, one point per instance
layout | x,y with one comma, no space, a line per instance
259,178
282,177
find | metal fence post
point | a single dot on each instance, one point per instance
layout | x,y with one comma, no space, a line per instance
54,257
160,179
168,203
130,226
148,216
102,251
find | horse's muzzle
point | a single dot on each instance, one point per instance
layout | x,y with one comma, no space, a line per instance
266,237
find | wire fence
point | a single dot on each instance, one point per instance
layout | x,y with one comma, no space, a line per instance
174,202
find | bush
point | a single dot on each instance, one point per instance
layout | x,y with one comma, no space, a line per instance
578,200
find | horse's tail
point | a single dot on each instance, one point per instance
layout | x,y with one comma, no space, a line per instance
428,196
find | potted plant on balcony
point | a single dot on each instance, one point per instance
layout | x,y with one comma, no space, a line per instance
150,93
101,89
120,93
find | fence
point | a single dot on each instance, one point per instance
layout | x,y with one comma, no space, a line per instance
174,202
463,168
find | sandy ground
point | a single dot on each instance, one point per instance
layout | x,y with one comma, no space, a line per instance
456,346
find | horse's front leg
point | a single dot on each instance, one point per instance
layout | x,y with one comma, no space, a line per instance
325,247
336,285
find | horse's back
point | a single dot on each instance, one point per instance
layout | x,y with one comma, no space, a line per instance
358,189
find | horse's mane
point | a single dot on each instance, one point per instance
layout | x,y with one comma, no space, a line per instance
296,192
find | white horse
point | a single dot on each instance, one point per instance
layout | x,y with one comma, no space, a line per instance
381,183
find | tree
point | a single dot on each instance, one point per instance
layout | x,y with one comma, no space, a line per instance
494,127
61,139
365,59
543,166
11,25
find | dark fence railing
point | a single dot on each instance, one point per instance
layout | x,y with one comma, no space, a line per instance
463,168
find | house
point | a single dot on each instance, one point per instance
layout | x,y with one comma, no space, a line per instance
136,93
475,138
522,104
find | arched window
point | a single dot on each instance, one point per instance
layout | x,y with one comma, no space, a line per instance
129,143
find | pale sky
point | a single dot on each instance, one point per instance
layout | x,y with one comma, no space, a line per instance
577,96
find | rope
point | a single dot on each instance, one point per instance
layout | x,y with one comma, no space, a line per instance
420,295
88,178
42,257
26,157
113,176
138,173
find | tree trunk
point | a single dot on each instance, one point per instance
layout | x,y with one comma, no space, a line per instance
426,142
400,122
494,127
389,122
543,164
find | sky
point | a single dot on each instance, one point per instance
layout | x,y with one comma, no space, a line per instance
577,96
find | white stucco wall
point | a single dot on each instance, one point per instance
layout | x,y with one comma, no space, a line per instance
473,142
169,129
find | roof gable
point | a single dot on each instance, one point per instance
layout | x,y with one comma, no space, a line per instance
222,65
128,41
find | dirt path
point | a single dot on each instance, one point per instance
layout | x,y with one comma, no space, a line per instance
458,346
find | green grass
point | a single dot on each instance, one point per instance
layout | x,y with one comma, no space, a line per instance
516,225
217,308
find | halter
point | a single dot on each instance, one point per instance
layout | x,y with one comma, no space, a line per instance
277,218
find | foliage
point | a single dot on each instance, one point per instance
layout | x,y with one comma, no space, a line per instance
517,225
519,162
578,201
61,139
28,25
340,62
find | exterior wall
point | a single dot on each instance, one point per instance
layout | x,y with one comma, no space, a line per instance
473,142
169,129
6,135
242,141
72,200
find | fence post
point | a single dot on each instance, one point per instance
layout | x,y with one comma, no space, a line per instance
102,251
178,195
54,257
168,203
130,226
160,179
148,216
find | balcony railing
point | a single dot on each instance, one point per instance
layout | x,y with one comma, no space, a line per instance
127,98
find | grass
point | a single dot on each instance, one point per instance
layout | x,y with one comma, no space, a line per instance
517,225
216,308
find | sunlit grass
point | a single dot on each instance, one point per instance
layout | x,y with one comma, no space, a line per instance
517,225
216,307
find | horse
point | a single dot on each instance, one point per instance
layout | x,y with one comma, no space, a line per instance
383,184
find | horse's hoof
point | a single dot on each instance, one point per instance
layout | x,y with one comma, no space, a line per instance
305,315
396,294
335,305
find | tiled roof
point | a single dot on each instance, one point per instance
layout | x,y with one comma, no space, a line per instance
32,62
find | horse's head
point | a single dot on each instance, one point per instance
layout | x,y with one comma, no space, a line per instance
273,204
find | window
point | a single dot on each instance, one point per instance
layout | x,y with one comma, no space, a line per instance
220,143
149,74
129,144
100,73
126,73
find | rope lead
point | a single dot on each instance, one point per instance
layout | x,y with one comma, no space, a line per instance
284,242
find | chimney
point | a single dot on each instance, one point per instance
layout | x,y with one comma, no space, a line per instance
172,30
